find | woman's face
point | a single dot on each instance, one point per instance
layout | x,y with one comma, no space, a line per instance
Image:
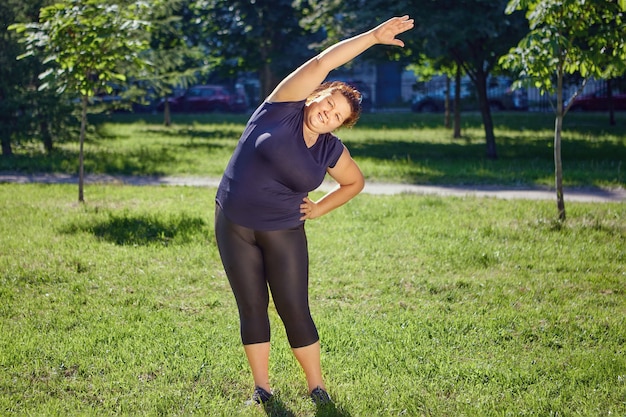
326,112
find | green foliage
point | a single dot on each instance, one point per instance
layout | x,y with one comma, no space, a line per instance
338,20
473,42
474,39
25,113
434,306
81,42
254,36
174,61
321,15
568,37
587,37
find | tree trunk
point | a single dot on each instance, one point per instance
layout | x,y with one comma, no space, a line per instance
609,96
446,115
167,114
6,130
7,150
267,81
46,136
558,165
81,159
485,111
457,103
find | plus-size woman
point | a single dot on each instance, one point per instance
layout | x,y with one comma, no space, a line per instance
262,202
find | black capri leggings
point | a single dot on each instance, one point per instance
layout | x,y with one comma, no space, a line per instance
253,259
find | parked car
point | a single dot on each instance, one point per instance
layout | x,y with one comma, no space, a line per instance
434,101
240,101
207,98
499,93
599,101
502,96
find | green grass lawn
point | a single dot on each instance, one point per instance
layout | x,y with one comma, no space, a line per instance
389,147
426,306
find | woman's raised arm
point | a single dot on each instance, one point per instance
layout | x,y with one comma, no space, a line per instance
300,83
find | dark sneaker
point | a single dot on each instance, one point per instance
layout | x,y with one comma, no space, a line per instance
260,396
320,396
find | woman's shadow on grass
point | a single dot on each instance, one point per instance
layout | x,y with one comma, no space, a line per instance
331,410
277,408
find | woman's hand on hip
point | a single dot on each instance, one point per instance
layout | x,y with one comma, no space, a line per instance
308,208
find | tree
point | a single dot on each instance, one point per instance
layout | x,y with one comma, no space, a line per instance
11,76
427,68
25,113
258,36
80,41
175,61
581,37
472,34
468,35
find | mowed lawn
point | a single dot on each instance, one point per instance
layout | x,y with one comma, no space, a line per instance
389,147
426,306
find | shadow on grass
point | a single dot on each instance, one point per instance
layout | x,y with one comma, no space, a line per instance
208,132
520,162
142,230
523,160
139,162
183,142
142,162
509,148
277,408
177,118
331,410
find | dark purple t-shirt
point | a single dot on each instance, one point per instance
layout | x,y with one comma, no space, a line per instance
272,169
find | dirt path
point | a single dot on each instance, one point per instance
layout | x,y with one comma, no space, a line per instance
587,194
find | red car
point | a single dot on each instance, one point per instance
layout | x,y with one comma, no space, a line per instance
207,98
599,101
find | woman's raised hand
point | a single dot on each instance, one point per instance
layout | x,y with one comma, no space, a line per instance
386,32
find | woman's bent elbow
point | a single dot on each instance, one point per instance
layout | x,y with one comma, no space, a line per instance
359,185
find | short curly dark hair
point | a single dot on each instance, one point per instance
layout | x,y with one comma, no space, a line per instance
350,93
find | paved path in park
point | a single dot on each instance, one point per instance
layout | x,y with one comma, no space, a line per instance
587,194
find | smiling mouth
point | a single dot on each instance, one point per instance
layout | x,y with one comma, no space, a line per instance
319,116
